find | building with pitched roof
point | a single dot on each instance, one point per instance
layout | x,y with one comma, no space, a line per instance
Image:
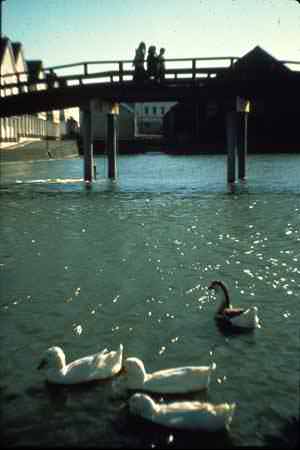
14,68
149,116
272,121
20,63
257,64
7,65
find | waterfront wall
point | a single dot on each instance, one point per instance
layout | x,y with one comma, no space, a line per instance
12,129
40,150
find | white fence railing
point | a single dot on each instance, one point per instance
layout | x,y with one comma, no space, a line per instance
14,128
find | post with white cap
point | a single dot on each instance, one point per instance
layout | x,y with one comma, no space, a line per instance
231,135
243,109
87,143
112,140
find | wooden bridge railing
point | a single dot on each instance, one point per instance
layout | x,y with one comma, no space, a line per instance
57,76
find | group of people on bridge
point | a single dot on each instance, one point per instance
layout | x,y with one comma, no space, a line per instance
155,63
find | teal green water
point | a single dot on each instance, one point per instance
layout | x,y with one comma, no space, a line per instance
130,262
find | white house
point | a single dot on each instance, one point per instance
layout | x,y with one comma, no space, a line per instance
7,67
149,116
126,122
20,63
133,119
12,68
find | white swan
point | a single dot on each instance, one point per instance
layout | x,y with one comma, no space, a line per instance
170,381
93,367
233,317
190,415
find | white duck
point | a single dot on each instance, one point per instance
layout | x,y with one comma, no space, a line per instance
98,366
179,380
233,317
189,415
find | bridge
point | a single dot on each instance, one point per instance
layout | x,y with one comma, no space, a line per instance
73,85
186,79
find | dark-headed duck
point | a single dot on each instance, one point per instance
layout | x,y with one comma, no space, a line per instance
229,316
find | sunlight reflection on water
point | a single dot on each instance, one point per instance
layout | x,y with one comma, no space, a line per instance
90,269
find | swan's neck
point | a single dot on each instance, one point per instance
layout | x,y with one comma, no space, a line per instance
61,362
56,359
223,297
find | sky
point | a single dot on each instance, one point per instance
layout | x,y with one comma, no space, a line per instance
68,31
72,31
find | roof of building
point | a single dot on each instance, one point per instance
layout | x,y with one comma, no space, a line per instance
19,56
34,67
17,48
257,63
4,45
261,59
2,48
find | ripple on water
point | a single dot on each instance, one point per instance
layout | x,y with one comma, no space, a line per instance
138,274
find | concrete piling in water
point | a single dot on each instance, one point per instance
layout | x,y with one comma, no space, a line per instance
231,138
243,109
237,139
111,144
111,110
242,140
87,145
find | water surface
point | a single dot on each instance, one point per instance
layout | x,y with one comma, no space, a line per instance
129,262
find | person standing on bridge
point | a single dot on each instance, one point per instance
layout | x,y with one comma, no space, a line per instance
138,63
152,62
161,65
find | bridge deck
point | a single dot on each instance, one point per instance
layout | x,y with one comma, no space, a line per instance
75,84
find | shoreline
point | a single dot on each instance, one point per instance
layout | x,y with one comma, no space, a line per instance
39,150
193,148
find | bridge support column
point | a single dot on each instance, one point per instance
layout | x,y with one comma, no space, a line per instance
237,138
111,144
231,138
242,141
87,144
243,108
197,121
